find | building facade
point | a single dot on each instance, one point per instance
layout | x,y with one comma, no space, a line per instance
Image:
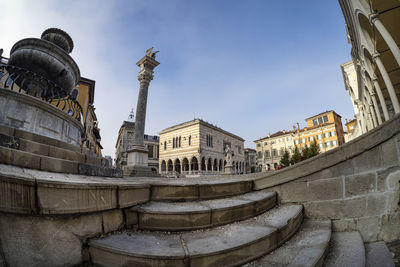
250,160
325,128
197,148
373,29
271,148
125,143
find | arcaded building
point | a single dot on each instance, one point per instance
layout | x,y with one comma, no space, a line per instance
196,148
373,29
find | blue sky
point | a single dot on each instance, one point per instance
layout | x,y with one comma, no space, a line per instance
250,67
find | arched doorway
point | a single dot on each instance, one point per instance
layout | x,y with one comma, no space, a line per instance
177,164
194,164
163,167
170,166
185,165
203,164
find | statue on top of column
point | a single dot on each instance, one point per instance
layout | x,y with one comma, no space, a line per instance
150,53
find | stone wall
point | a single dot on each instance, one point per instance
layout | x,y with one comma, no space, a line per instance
36,116
356,185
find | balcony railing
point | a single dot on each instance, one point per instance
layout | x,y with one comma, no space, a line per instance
26,82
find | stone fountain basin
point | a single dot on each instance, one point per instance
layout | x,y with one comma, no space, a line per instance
48,60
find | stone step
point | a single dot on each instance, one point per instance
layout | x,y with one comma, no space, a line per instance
378,254
18,133
180,216
229,245
308,247
50,150
346,249
30,160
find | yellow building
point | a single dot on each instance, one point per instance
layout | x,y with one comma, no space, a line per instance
325,128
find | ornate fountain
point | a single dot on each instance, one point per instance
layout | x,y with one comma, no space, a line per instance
43,67
36,85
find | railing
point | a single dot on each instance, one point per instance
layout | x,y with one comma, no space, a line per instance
27,82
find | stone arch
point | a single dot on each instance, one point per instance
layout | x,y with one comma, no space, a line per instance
170,166
194,164
209,164
185,164
203,164
215,165
177,164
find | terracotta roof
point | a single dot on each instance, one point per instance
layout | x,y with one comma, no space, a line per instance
279,133
328,111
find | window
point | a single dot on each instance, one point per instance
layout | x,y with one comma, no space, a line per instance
274,153
267,154
315,122
333,133
173,142
303,140
259,154
281,151
165,145
190,140
321,145
180,141
209,140
334,143
319,137
151,151
320,120
258,145
328,134
289,138
328,144
325,118
265,143
296,141
310,138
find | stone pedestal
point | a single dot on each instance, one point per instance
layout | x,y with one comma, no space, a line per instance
228,170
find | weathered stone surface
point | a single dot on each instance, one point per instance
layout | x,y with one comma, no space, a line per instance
215,190
326,189
174,192
58,165
46,241
92,160
17,193
62,198
389,230
138,249
368,160
34,147
306,248
112,220
294,192
343,225
389,153
61,153
376,204
131,217
378,254
336,209
360,184
131,195
382,176
9,141
367,228
347,249
94,170
19,158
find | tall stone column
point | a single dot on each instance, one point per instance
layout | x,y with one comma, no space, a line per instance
138,155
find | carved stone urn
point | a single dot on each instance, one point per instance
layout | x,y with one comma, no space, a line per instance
44,66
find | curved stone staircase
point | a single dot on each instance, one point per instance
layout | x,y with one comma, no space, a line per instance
232,227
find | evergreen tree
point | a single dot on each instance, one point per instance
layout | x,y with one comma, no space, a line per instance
314,149
296,157
285,159
306,153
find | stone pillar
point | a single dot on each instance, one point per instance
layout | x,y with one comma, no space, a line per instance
138,155
388,83
181,167
376,107
386,36
381,99
190,167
